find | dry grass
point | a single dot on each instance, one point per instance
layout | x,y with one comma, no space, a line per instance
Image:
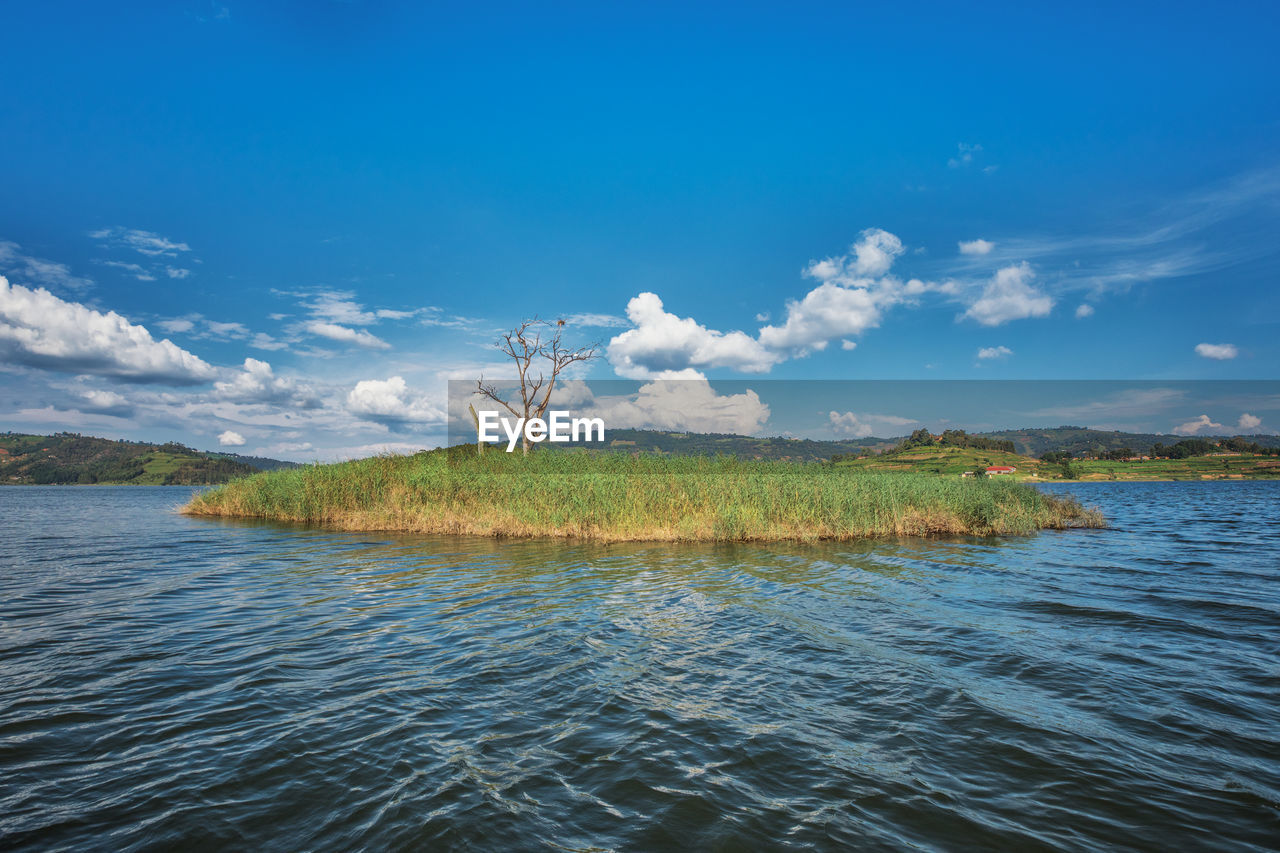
617,498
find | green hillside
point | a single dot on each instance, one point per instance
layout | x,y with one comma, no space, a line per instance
67,458
953,461
1077,441
945,460
1081,441
743,446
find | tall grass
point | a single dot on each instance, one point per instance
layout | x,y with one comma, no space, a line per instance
614,497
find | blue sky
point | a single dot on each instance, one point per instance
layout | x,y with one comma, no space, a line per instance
365,192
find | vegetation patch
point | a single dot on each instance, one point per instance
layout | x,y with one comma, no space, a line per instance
619,497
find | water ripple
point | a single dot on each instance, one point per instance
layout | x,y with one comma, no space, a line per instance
169,682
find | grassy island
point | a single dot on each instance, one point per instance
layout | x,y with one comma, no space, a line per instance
616,497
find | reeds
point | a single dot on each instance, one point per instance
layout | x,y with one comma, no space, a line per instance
615,497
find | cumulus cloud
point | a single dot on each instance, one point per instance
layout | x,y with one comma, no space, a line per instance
1084,310
346,335
853,293
872,255
976,247
848,345
987,353
686,405
1248,422
104,403
389,402
1218,352
231,439
39,329
1195,427
847,424
1010,296
828,311
257,383
662,342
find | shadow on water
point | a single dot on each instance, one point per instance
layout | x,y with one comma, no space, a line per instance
187,682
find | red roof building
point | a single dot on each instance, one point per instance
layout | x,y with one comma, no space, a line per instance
1000,469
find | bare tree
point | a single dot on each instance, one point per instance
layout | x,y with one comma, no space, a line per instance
535,346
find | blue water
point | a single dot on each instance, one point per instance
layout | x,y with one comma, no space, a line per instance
168,682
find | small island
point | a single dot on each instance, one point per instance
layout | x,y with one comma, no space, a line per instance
616,497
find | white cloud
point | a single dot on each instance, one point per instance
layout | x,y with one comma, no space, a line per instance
37,270
435,317
226,330
339,307
964,154
1010,296
597,321
231,439
176,272
105,403
136,270
686,405
828,311
854,292
848,345
343,334
853,425
263,341
1218,352
848,424
663,342
1084,310
145,242
1196,426
1248,421
1127,404
40,330
388,402
177,325
872,255
976,247
257,383
987,353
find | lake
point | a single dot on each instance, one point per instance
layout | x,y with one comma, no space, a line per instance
168,682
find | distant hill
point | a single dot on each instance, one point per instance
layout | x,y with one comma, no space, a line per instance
1081,441
1078,441
258,463
66,458
744,446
